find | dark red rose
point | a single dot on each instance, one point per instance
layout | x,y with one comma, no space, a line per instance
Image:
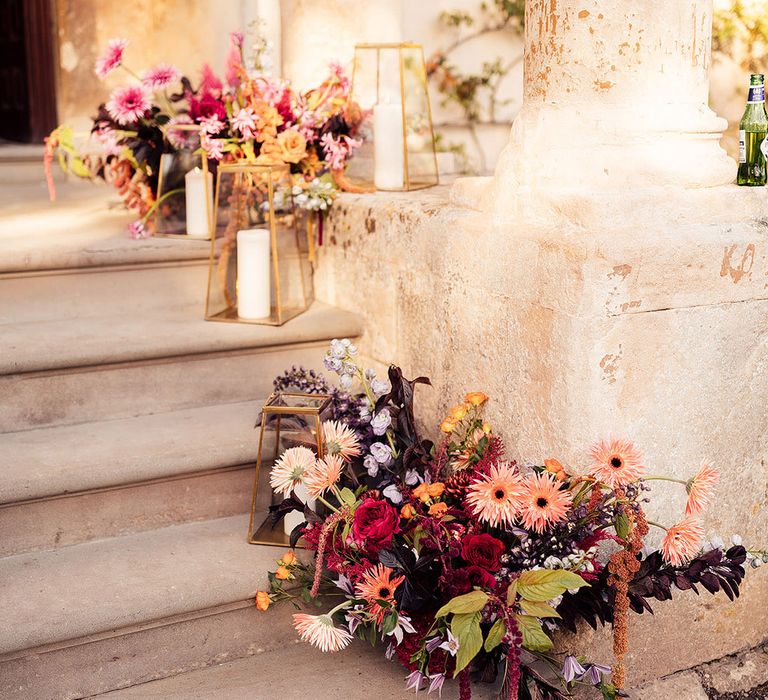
374,524
483,550
464,580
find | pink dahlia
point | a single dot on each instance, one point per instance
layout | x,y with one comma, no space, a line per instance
162,75
128,104
111,58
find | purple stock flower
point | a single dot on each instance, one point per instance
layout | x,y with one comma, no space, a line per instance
572,669
381,453
393,494
380,422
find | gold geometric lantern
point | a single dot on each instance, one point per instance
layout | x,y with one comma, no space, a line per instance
184,188
259,268
288,419
389,95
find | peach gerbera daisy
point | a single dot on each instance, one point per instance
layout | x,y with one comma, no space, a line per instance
496,498
320,632
682,541
377,585
545,503
289,471
700,489
616,463
323,475
340,440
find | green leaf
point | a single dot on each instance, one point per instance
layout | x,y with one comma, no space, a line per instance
466,628
347,496
467,603
389,623
512,593
622,525
530,607
495,635
534,637
79,168
544,584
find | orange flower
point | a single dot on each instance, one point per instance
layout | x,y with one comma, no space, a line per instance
282,573
377,585
487,428
438,509
421,492
292,145
616,463
476,398
436,490
682,541
545,503
496,498
554,467
458,412
263,601
289,558
407,511
447,426
700,489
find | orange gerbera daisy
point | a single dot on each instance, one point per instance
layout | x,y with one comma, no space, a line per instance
700,489
496,498
340,440
320,632
377,585
616,463
323,475
682,541
545,503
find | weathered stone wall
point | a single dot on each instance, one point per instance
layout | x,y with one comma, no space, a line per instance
640,315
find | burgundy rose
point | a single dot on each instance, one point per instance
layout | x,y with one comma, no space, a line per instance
374,524
464,580
483,550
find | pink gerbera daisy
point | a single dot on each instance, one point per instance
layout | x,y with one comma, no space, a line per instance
682,541
324,475
340,440
162,75
616,463
111,58
128,104
545,503
700,489
320,632
290,470
496,498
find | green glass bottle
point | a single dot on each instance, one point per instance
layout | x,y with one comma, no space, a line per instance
752,131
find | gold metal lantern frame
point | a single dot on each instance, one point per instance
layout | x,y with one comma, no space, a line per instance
259,269
287,419
171,217
390,98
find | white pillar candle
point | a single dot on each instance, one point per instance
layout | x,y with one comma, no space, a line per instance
294,518
198,202
388,158
253,280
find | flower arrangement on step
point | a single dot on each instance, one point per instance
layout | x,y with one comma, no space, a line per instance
248,116
460,561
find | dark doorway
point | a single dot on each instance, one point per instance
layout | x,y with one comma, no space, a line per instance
27,78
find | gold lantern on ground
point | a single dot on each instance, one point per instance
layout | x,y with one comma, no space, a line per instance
259,269
288,420
389,96
184,187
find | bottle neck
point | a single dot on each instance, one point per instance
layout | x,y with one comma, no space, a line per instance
756,94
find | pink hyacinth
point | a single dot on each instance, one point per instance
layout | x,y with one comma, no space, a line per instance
128,104
337,152
137,230
111,58
245,122
211,125
162,75
212,147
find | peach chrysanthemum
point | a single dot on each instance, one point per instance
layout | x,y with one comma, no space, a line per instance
682,541
323,475
340,440
545,503
320,632
496,498
377,584
289,471
616,463
700,489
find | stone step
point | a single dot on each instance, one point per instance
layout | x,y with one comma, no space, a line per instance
64,372
112,613
69,484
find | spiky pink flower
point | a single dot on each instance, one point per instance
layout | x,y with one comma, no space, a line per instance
496,498
160,76
682,541
111,58
289,471
340,440
616,463
126,105
323,475
700,489
544,503
320,632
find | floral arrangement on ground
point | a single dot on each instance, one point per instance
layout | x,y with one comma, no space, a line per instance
248,116
462,563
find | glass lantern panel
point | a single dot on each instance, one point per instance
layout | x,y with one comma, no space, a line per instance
419,139
171,218
260,272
